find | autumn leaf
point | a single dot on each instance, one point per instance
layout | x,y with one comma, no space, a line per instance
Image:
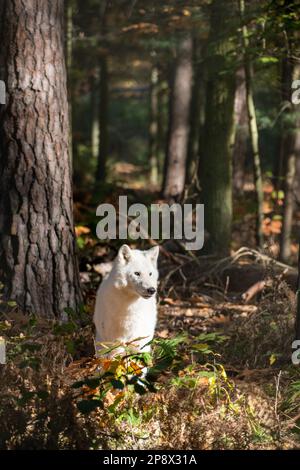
81,230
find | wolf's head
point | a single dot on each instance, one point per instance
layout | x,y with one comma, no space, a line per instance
137,270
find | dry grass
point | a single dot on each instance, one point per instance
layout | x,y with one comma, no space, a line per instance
254,406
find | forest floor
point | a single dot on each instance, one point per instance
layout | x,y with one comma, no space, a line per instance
231,384
224,377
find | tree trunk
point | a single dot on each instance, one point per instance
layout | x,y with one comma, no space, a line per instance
95,130
215,169
196,117
241,132
297,322
69,60
162,121
253,130
179,122
37,245
297,184
103,119
285,240
291,153
153,127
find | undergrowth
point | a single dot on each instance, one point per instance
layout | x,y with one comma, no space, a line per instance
56,395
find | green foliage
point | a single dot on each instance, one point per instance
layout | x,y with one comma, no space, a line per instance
120,376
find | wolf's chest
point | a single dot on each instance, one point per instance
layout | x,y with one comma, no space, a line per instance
138,318
119,320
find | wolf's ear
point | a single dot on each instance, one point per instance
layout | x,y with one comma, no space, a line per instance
153,254
124,253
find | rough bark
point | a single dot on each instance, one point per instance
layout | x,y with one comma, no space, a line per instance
37,246
215,170
179,122
241,132
69,61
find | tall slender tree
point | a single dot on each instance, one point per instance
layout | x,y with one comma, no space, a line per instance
241,132
197,114
175,167
103,102
290,124
103,121
291,152
215,170
95,131
253,130
153,126
37,245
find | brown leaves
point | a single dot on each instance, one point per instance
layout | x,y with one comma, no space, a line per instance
147,28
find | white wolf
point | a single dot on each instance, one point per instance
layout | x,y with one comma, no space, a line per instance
126,302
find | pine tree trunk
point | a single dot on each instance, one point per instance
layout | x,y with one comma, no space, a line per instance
153,127
69,61
37,245
179,122
241,132
215,170
253,131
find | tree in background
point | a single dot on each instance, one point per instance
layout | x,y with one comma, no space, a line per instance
197,114
37,245
241,132
290,130
153,126
175,167
215,170
103,121
253,130
291,149
95,131
131,35
103,104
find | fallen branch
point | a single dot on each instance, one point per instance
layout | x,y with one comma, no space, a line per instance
253,291
259,286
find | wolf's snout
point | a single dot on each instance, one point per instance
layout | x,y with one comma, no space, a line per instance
151,290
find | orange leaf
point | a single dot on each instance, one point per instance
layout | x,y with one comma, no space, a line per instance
81,230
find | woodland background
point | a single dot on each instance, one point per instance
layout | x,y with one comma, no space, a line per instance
160,101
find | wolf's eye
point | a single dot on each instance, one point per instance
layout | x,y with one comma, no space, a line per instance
150,274
137,273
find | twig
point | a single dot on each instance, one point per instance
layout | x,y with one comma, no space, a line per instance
277,381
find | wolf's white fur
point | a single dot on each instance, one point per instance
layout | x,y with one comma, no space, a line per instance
125,308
